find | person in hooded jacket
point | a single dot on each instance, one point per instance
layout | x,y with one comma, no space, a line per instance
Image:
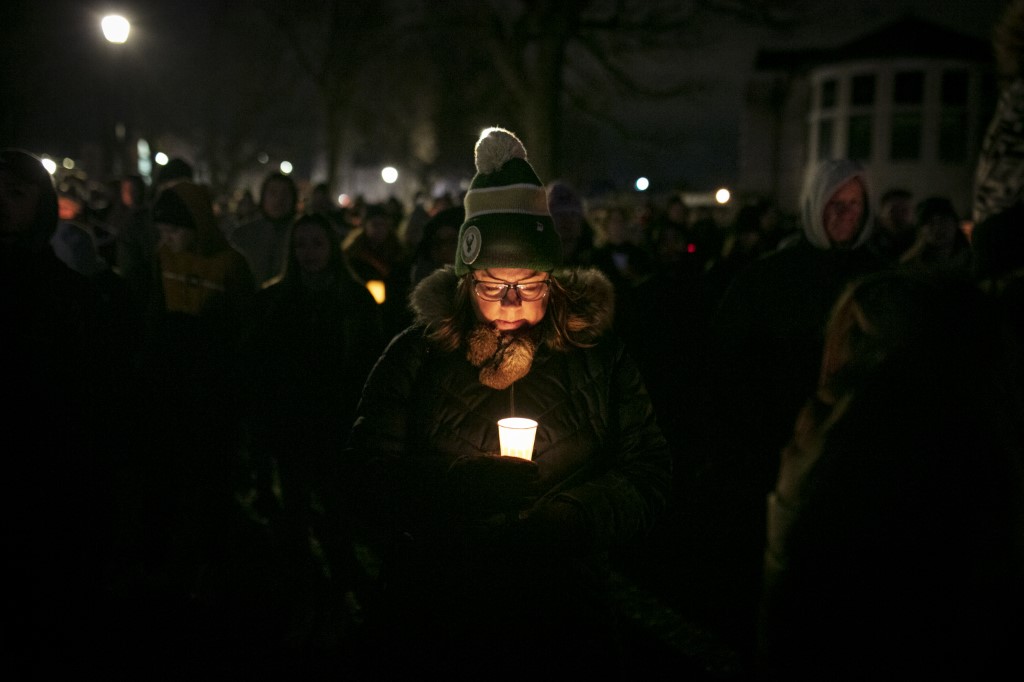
315,336
188,419
765,341
264,240
496,564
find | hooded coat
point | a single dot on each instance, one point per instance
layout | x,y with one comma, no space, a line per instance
819,187
189,383
769,328
263,241
210,275
479,563
766,340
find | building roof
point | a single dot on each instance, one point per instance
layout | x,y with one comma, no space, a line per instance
909,36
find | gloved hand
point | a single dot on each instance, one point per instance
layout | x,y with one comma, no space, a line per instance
480,485
557,526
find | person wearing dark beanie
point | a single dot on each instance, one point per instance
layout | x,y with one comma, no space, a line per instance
498,562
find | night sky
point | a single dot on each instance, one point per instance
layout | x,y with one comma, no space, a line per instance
59,67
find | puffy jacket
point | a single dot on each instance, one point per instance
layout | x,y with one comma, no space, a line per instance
598,445
459,567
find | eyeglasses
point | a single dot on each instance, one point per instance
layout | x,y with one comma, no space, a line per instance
497,291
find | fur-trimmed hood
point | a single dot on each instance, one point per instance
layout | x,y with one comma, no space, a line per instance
591,303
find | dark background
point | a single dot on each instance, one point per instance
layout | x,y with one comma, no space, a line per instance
221,80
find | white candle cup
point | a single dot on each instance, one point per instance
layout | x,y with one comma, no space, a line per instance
516,435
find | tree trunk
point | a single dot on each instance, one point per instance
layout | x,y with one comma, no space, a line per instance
542,110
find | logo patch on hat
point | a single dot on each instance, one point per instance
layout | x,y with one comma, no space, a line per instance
471,243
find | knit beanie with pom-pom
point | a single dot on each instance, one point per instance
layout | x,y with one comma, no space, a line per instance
507,224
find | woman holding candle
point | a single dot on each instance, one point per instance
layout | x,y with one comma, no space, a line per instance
497,563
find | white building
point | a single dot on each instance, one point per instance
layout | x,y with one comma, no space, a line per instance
911,101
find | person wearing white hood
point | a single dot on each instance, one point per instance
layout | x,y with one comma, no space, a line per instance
763,358
835,205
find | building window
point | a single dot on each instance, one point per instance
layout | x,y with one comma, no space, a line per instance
907,123
908,88
858,143
953,117
825,145
954,88
906,136
862,90
953,135
829,90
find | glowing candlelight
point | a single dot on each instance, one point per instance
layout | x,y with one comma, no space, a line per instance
376,288
516,436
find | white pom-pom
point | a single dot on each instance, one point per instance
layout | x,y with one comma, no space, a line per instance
495,147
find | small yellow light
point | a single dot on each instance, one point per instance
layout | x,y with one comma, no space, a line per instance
376,287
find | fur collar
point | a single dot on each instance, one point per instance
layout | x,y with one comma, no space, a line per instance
504,358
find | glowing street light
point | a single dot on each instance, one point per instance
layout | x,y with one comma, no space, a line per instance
722,196
389,174
115,28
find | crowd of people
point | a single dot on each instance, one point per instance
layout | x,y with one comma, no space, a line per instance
261,438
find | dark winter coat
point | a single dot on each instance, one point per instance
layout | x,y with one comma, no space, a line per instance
535,563
768,334
764,350
895,543
307,353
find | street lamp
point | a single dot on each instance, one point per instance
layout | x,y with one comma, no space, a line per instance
116,29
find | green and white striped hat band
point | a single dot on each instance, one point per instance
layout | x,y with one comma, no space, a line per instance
522,198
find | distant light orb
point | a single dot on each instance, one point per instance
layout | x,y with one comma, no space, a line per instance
389,174
50,165
115,28
68,163
286,167
722,196
642,184
262,157
344,200
161,159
